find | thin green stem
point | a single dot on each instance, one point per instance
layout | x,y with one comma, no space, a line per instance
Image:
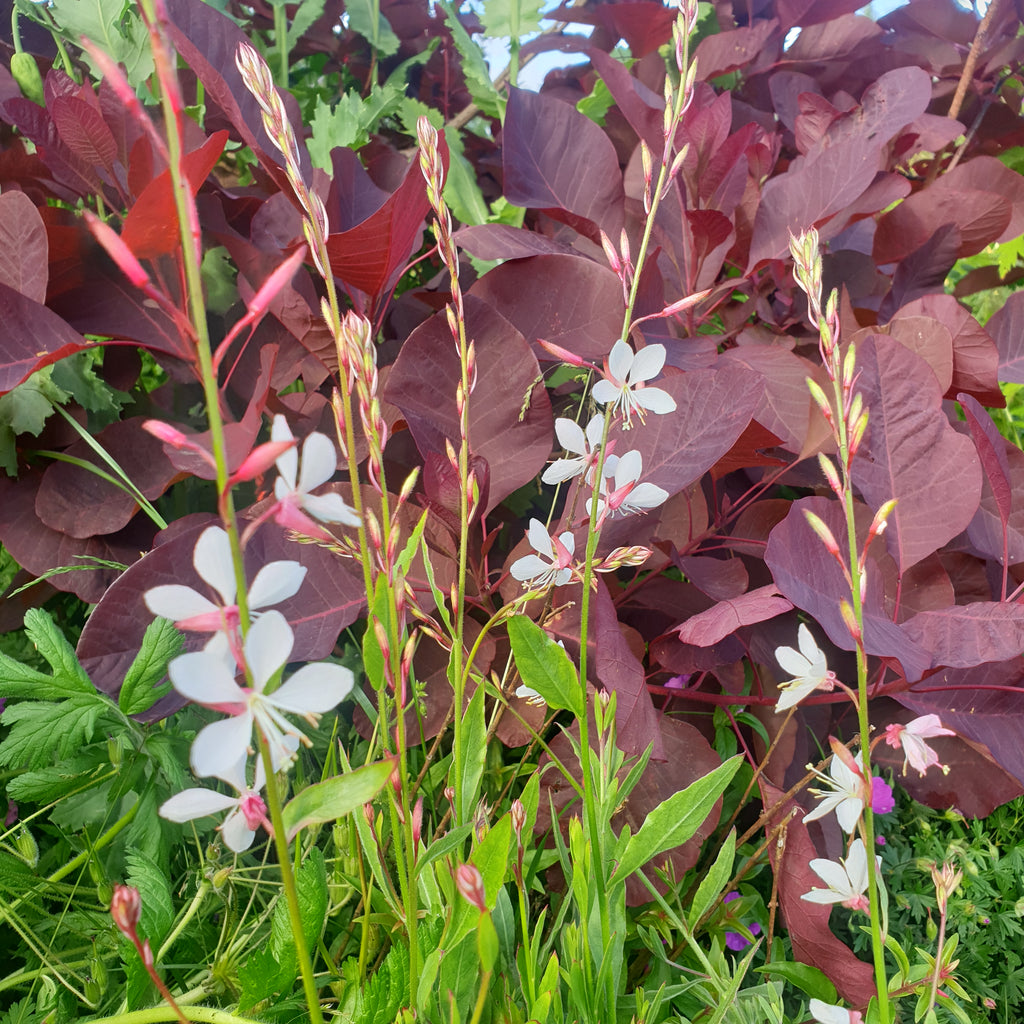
159,1014
281,38
193,907
80,861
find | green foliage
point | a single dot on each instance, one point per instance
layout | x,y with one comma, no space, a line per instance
511,18
114,26
364,17
139,691
350,121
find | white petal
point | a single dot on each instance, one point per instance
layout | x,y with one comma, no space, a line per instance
268,646
235,775
195,803
792,662
857,866
823,896
212,559
825,806
848,814
655,400
792,695
647,496
319,462
604,391
288,463
236,832
562,469
809,649
833,875
315,688
176,602
628,468
220,745
826,1013
620,361
202,677
528,567
647,363
570,436
330,508
276,582
539,539
568,541
595,431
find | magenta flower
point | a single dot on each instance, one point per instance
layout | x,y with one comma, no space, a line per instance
882,801
912,738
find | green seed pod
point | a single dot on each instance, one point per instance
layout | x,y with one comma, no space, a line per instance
25,71
92,993
98,970
27,848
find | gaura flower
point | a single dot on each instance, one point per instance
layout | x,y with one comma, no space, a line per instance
207,679
807,666
584,445
551,564
627,497
189,610
844,795
247,811
912,738
292,489
530,695
626,372
847,881
827,1013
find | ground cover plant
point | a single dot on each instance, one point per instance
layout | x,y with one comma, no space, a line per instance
475,553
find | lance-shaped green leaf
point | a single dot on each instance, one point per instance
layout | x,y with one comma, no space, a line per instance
676,819
545,667
334,798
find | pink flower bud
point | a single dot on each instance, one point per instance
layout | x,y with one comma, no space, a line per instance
117,250
471,886
125,909
259,460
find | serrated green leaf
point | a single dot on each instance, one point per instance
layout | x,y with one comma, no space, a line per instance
474,67
41,732
714,881
114,27
336,797
51,782
78,377
54,647
307,13
157,913
22,1012
512,18
349,123
26,408
139,691
676,819
365,18
544,666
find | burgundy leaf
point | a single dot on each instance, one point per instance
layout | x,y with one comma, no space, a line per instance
567,300
83,130
1006,328
834,39
808,575
372,255
642,107
726,617
991,448
969,635
723,52
721,579
510,422
76,501
24,251
992,535
151,227
33,336
806,922
553,156
814,12
503,242
912,454
923,271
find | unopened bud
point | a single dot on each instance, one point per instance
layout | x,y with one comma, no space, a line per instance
857,432
819,398
125,908
818,525
880,521
677,163
647,161
946,881
831,474
632,555
850,620
611,255
471,886
685,303
518,813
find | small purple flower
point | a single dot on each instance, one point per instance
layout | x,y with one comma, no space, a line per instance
882,801
734,940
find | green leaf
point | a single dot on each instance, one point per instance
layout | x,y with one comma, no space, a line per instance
157,914
41,732
54,647
474,754
349,123
512,18
714,881
806,978
114,27
365,18
545,667
139,691
336,797
21,1012
373,656
51,782
676,819
474,67
461,189
311,883
26,408
306,14
77,375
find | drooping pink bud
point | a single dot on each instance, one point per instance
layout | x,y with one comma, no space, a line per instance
125,909
117,249
471,886
259,460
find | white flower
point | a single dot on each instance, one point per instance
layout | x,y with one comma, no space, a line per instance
189,610
573,439
625,372
827,1013
807,666
528,694
912,738
627,496
295,503
247,811
207,679
847,881
554,568
845,795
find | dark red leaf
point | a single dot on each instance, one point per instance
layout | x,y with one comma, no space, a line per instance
82,129
986,531
726,617
1006,328
151,228
723,52
24,251
503,242
991,448
969,635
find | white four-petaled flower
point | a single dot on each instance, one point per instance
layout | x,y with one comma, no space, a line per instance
844,795
585,445
292,489
912,738
551,563
807,666
847,881
189,610
626,372
209,680
627,496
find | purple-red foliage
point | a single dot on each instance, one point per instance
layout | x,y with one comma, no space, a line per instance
847,130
